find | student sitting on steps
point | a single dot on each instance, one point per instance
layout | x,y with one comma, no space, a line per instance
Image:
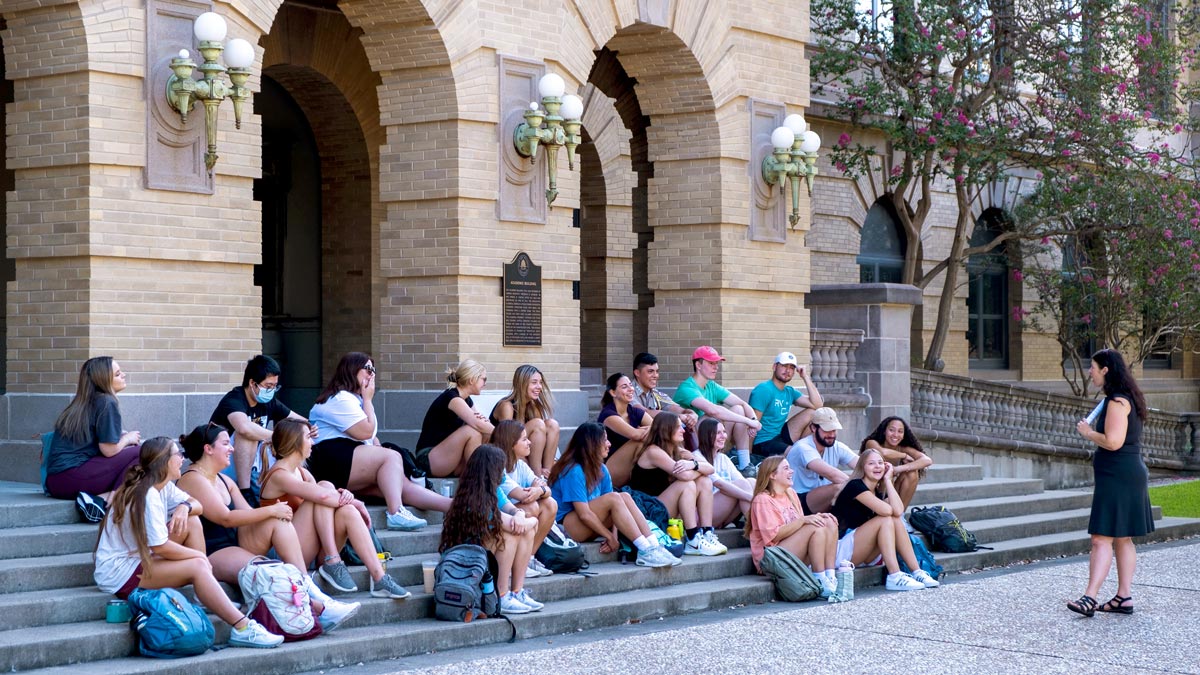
527,491
481,514
235,533
589,509
732,492
324,516
452,427
777,519
626,424
135,551
530,402
895,440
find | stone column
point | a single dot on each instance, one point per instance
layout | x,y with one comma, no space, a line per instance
884,312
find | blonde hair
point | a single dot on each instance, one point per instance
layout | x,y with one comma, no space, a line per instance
860,471
467,372
525,408
766,470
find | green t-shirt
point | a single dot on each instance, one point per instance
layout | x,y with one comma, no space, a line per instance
774,405
689,391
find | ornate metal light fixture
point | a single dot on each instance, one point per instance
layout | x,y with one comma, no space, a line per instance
562,116
795,155
183,91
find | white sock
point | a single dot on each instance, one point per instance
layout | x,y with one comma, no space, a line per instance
895,575
829,584
743,458
831,576
643,544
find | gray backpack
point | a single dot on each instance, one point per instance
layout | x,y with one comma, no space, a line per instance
464,585
794,581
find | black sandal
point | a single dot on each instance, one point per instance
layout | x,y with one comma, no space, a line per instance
1085,605
1116,606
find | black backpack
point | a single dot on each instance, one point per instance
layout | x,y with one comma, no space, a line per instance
560,553
945,531
464,586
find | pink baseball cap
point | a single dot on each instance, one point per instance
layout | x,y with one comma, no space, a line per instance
707,353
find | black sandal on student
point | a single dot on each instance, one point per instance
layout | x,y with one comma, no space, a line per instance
1085,605
1116,606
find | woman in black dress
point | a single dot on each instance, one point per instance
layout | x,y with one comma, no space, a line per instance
1121,502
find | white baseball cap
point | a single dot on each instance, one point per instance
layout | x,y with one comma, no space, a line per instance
787,359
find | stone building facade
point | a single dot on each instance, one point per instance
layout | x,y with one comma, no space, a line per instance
372,195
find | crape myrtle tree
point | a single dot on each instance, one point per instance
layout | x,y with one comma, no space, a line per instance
1118,265
954,95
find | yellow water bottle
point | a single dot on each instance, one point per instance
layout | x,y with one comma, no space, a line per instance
675,529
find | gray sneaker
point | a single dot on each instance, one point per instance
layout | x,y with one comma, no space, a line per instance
388,588
336,575
404,521
254,635
656,557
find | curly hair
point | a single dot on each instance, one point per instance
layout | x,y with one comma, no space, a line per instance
880,435
585,450
129,500
474,515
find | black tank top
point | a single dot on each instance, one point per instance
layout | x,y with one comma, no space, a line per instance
650,481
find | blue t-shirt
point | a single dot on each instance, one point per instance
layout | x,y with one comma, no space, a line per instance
572,487
502,498
774,405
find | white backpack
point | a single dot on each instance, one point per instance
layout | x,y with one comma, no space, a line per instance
283,591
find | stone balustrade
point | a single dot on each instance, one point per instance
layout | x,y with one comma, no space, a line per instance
967,410
835,360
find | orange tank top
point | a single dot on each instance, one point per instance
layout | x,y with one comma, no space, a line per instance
291,500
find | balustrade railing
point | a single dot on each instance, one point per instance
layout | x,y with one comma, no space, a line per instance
835,360
952,403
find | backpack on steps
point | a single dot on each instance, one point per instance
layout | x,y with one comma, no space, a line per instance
560,553
277,595
945,531
924,558
464,587
167,625
793,580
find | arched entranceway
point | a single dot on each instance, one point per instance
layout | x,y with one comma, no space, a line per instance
317,194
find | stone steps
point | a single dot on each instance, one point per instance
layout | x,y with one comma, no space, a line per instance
938,493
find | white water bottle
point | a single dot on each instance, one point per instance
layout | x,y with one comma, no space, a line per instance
845,581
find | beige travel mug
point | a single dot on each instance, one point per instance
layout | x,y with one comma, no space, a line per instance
427,568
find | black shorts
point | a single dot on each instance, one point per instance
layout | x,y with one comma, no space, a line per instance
331,460
804,504
775,446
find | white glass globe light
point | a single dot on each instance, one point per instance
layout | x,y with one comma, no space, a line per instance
572,107
239,54
183,53
796,123
782,138
533,105
551,86
811,143
210,27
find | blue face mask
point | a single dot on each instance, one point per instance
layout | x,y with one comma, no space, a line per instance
264,395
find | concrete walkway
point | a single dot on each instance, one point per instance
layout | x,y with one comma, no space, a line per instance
1003,621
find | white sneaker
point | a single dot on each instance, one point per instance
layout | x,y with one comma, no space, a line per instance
336,613
254,635
923,577
528,601
511,604
903,582
656,557
716,541
536,569
702,545
404,521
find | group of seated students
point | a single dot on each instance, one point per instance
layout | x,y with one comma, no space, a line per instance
670,448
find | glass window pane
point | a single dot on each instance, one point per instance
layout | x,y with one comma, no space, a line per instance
993,293
993,339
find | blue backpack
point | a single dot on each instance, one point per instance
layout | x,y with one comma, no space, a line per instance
167,625
924,558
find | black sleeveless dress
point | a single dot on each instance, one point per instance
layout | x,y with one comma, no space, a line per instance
1121,502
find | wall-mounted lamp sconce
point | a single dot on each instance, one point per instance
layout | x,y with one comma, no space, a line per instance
562,116
183,92
795,155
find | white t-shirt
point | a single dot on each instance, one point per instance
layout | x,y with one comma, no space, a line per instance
723,469
804,451
116,554
520,477
333,417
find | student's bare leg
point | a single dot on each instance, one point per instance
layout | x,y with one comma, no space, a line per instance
448,458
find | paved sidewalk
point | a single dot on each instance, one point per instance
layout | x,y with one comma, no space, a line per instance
987,623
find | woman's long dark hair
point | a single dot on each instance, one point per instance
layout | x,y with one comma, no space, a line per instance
345,376
1118,379
474,515
662,433
95,383
585,449
505,437
880,436
707,433
129,500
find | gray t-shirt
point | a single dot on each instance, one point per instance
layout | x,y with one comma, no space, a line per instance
104,426
803,451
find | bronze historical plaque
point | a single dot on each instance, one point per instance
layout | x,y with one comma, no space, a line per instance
522,292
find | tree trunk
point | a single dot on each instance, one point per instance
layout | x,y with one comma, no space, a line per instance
933,358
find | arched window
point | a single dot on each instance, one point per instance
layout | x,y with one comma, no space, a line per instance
881,252
987,296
